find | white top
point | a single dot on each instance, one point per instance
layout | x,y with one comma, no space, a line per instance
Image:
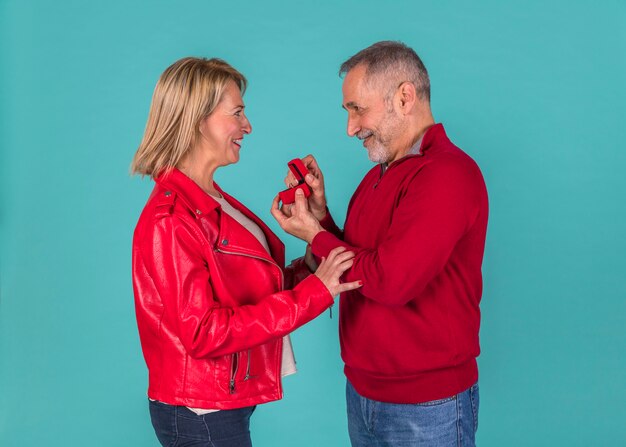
289,361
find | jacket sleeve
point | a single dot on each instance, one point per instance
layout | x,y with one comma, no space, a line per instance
296,272
436,208
173,255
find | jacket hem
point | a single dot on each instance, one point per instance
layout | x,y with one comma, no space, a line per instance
214,405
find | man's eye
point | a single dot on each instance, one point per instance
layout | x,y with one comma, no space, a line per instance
238,113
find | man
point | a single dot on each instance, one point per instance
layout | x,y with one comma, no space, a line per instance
417,223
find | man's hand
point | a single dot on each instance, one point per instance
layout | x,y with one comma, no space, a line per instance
315,179
297,220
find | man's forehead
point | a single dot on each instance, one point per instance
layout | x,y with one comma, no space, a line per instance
355,77
356,90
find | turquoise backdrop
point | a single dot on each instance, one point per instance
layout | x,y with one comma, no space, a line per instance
534,91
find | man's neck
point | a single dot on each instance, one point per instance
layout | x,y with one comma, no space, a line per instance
414,136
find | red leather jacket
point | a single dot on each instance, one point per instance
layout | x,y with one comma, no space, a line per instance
210,303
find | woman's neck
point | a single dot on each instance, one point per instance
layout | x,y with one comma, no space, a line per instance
201,172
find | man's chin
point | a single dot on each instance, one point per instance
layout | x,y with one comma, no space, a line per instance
377,155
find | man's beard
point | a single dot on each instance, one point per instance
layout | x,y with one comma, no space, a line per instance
378,149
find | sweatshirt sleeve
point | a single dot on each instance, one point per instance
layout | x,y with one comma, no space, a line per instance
437,206
175,262
328,224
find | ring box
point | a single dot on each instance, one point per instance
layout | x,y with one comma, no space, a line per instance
298,170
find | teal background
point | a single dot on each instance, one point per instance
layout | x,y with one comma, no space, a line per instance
533,91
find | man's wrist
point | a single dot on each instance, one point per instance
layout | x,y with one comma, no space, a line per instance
320,213
314,233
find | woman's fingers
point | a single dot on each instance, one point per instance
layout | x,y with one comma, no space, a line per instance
336,258
335,251
343,257
345,265
344,287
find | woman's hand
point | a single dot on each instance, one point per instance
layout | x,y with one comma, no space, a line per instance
330,270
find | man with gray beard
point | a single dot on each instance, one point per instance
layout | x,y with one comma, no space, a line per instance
417,223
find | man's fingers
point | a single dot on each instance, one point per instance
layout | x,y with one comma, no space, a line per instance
310,162
286,210
300,203
313,182
290,180
276,211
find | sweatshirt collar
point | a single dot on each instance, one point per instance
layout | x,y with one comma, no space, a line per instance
421,145
432,134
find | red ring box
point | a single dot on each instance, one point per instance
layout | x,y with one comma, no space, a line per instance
297,168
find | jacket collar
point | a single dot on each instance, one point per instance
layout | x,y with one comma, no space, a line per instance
201,203
188,191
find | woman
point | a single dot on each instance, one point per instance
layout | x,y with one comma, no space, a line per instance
213,299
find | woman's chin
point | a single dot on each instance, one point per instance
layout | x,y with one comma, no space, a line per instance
234,156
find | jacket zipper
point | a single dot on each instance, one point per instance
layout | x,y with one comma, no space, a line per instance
282,279
247,367
233,371
282,282
380,177
235,367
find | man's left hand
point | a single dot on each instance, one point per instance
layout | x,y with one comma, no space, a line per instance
298,219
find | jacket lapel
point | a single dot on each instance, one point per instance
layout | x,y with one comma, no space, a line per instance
239,239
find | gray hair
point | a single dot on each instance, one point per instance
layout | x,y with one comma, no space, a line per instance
392,63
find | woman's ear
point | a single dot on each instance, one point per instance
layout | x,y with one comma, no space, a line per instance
202,126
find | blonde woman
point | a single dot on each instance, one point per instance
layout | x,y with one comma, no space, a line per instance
214,302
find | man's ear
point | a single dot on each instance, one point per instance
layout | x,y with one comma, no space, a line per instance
407,97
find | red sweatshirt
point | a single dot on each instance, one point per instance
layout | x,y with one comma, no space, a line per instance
410,334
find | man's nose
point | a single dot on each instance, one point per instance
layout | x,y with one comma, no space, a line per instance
353,126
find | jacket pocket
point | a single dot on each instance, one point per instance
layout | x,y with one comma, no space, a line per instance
240,370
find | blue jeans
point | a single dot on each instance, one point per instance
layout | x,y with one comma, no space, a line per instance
450,422
177,426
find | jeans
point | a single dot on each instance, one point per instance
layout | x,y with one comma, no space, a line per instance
177,426
450,422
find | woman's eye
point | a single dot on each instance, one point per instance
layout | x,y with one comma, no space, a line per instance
238,113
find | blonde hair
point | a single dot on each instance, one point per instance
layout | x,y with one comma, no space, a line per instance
187,92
